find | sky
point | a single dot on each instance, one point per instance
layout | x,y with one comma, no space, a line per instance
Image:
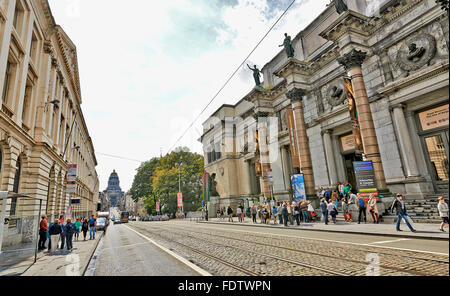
148,68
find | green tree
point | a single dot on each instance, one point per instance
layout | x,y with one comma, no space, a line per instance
165,180
142,184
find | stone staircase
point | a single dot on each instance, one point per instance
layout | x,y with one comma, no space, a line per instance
421,210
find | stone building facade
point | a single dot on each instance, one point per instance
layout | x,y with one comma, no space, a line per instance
113,192
397,57
42,128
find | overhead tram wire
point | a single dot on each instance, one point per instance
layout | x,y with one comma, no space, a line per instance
231,77
119,157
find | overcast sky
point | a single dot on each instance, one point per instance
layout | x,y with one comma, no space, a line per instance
148,68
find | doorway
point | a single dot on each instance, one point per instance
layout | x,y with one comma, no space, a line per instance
437,152
349,169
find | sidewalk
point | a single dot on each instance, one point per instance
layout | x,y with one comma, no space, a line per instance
62,263
424,230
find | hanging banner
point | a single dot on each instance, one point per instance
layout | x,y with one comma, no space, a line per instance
157,206
180,199
71,173
206,193
258,157
353,116
298,188
292,138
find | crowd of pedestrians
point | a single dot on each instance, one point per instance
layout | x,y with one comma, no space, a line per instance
290,213
60,234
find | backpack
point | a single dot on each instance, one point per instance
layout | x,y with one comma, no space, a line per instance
85,226
361,203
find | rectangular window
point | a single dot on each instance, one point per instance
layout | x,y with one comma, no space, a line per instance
26,104
33,48
18,17
7,83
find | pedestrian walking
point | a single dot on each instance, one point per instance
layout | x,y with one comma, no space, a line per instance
274,214
312,214
92,227
239,213
77,228
63,234
346,211
373,209
361,204
85,227
267,214
290,214
347,190
335,197
296,213
332,210
304,211
400,210
254,212
230,214
55,234
280,214
43,228
69,230
49,237
263,217
443,212
285,213
324,209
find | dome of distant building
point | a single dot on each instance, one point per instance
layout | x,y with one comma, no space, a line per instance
113,191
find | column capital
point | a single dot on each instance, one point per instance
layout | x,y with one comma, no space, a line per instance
397,106
353,59
326,131
296,94
260,114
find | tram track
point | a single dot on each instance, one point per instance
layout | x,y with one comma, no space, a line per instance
363,264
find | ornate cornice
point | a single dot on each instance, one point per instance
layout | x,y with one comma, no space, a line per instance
295,65
415,78
296,94
353,59
349,22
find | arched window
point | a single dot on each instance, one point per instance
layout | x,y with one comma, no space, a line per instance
16,186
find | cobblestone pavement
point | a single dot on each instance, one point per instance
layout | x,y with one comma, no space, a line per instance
231,252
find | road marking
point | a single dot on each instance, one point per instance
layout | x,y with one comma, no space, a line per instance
188,263
390,241
124,246
93,263
334,241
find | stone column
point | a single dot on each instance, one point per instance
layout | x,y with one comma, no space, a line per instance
247,167
296,97
286,171
405,142
329,152
261,118
352,62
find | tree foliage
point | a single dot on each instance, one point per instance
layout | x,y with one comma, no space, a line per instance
157,180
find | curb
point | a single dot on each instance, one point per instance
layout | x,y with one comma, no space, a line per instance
339,231
93,250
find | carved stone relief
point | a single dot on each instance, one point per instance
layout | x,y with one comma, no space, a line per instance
335,95
416,52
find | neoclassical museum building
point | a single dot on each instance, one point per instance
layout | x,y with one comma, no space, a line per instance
42,128
396,56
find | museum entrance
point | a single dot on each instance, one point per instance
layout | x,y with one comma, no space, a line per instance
349,170
436,146
434,136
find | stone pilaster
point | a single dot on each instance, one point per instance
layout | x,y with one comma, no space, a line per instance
352,62
329,152
404,138
296,96
261,118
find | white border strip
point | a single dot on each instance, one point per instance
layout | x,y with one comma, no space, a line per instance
188,263
334,241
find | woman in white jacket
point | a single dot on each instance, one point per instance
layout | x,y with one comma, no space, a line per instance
372,208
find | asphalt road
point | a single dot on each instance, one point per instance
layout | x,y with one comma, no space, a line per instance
125,253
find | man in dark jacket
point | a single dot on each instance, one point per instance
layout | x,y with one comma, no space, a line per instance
324,209
230,214
43,227
400,210
69,230
284,213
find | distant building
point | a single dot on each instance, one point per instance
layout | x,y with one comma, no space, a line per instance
113,192
127,203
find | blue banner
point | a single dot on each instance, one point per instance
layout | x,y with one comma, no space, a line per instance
298,188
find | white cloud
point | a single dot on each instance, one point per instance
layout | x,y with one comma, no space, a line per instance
148,68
